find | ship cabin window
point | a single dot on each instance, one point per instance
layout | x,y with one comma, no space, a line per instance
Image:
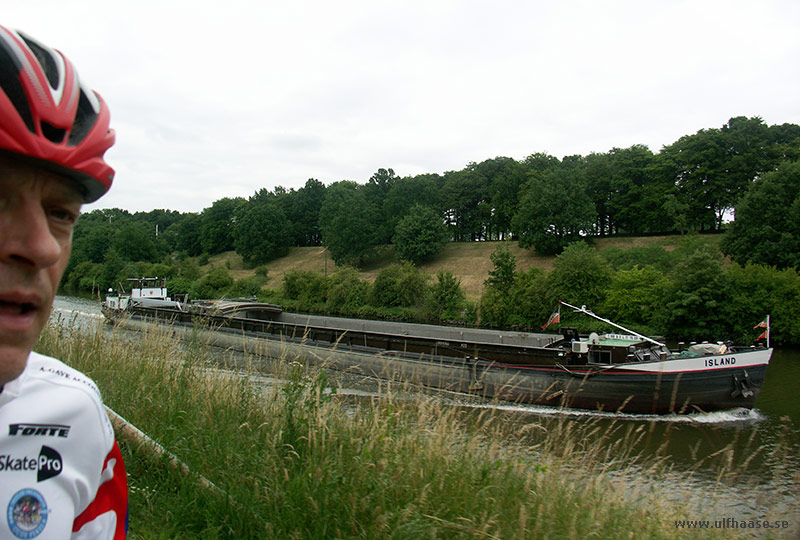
600,357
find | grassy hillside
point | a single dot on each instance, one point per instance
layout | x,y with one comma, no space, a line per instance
467,260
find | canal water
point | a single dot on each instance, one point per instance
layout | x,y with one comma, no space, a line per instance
746,463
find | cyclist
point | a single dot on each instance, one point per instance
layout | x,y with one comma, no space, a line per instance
61,472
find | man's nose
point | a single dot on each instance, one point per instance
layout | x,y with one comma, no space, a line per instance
28,237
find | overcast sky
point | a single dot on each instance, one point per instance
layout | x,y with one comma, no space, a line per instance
220,99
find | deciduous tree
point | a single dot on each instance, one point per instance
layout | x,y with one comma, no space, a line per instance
216,230
555,210
767,225
262,232
349,225
420,235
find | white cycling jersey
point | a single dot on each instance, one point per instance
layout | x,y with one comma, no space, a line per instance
61,473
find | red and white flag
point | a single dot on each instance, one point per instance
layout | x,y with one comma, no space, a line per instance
555,318
765,334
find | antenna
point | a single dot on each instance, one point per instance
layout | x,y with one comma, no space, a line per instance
583,309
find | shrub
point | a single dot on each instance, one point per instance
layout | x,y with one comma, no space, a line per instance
212,284
346,291
399,285
694,307
636,295
178,287
305,286
495,308
757,291
246,287
447,299
580,276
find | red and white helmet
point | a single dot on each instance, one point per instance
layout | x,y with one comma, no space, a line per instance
47,114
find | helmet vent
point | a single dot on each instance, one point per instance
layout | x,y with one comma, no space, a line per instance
45,59
85,118
12,87
52,133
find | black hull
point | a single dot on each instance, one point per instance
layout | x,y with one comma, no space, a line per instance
639,393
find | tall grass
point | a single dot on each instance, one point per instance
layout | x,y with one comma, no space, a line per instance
294,460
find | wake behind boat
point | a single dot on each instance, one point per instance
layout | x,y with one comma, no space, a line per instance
616,371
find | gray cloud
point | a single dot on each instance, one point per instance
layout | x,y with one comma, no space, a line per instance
212,100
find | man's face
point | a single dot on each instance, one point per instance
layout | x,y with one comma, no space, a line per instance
38,210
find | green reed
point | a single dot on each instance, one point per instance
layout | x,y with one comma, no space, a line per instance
294,460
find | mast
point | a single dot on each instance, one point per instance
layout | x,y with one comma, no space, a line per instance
585,311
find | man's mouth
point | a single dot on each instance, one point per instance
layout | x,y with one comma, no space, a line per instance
16,308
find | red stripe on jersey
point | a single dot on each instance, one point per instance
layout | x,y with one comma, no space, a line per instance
112,496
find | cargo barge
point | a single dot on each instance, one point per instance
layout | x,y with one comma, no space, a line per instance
616,371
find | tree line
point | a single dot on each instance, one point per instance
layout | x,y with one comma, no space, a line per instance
697,184
543,202
692,185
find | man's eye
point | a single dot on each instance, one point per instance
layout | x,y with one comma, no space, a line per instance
63,215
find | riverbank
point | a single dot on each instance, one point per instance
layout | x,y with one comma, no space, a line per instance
293,460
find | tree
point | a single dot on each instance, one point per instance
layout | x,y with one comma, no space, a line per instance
405,193
216,230
635,192
714,167
136,242
504,178
554,211
497,307
531,298
468,210
757,290
501,276
262,232
539,163
348,224
599,175
767,225
375,191
304,213
420,235
580,276
188,233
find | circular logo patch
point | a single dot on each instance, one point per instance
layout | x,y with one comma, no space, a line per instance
27,513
